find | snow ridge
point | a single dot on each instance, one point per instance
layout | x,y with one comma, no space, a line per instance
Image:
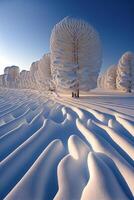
61,149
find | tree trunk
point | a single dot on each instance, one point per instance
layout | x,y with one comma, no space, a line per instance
78,93
72,94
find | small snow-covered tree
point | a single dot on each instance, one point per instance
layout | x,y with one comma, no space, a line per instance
75,55
99,81
25,80
11,76
33,71
125,72
1,80
43,73
6,76
107,80
110,80
102,80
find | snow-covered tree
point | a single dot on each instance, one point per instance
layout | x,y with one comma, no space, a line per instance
43,72
1,80
125,72
11,76
33,71
110,79
107,80
75,55
6,77
25,80
101,82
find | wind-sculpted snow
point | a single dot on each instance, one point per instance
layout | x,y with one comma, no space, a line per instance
75,55
65,149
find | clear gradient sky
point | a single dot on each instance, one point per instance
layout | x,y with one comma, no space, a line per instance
25,27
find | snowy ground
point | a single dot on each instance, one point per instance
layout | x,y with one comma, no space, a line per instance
66,149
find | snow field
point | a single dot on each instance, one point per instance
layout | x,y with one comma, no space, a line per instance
61,148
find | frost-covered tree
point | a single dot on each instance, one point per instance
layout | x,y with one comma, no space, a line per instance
11,76
6,77
25,80
43,72
110,79
33,71
101,82
125,72
1,80
107,80
75,55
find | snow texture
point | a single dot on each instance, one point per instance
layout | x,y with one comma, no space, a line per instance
61,148
75,54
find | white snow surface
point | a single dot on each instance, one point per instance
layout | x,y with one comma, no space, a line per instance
57,147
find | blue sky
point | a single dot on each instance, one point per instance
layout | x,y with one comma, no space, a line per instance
25,27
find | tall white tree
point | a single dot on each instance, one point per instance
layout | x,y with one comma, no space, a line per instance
125,72
75,55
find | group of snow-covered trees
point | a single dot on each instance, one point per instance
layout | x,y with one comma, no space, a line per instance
38,78
73,63
120,76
